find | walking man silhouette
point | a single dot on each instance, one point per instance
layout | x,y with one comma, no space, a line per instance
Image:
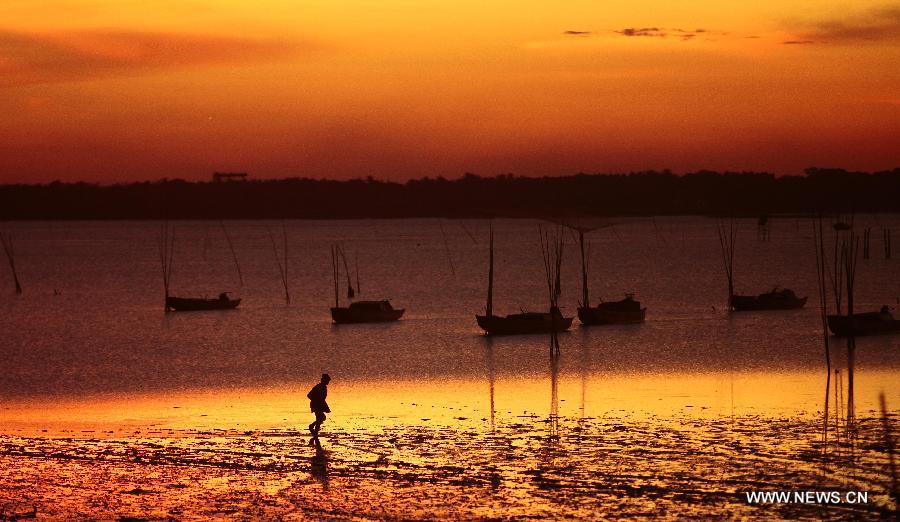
318,406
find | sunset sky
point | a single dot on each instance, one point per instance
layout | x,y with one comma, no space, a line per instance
122,90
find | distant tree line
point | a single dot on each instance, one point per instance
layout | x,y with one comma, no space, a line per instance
641,193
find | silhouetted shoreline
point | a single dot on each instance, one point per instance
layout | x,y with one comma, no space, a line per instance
471,196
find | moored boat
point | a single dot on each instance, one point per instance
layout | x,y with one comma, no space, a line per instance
357,311
777,299
624,311
868,323
366,312
524,323
196,304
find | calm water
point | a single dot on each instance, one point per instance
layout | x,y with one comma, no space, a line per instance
103,351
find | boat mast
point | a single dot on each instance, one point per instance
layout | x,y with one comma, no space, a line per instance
584,281
727,236
489,309
7,241
166,252
334,272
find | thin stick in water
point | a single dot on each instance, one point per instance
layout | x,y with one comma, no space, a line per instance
889,443
446,249
356,262
237,265
818,234
166,254
9,248
727,239
350,292
282,266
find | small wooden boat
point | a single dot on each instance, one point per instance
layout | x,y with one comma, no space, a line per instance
359,311
777,299
524,323
194,304
868,323
366,312
625,311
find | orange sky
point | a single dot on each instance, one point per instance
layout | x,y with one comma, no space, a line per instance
119,90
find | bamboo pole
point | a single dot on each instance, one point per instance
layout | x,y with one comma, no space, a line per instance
282,266
867,234
838,383
727,240
554,386
335,276
468,232
818,234
6,238
585,300
889,443
837,272
557,290
446,249
552,250
237,265
489,308
356,262
166,255
548,263
350,293
850,251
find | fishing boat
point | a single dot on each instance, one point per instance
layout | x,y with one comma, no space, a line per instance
524,323
868,323
624,311
366,312
357,311
195,304
776,299
521,323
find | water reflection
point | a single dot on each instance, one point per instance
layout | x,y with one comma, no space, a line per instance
318,467
489,354
553,420
378,405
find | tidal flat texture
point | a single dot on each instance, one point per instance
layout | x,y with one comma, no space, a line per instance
526,467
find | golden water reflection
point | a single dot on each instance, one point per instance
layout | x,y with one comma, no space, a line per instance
466,403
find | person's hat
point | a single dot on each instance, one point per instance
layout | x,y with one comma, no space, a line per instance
326,377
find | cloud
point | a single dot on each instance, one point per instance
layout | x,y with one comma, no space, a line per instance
687,34
876,25
660,32
798,42
577,33
643,31
28,58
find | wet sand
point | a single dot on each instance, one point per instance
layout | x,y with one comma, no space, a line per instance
523,467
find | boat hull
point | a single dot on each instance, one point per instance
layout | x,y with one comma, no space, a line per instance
343,315
191,304
871,323
595,316
746,303
519,324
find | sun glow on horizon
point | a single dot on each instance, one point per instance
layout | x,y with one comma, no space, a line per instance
109,91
